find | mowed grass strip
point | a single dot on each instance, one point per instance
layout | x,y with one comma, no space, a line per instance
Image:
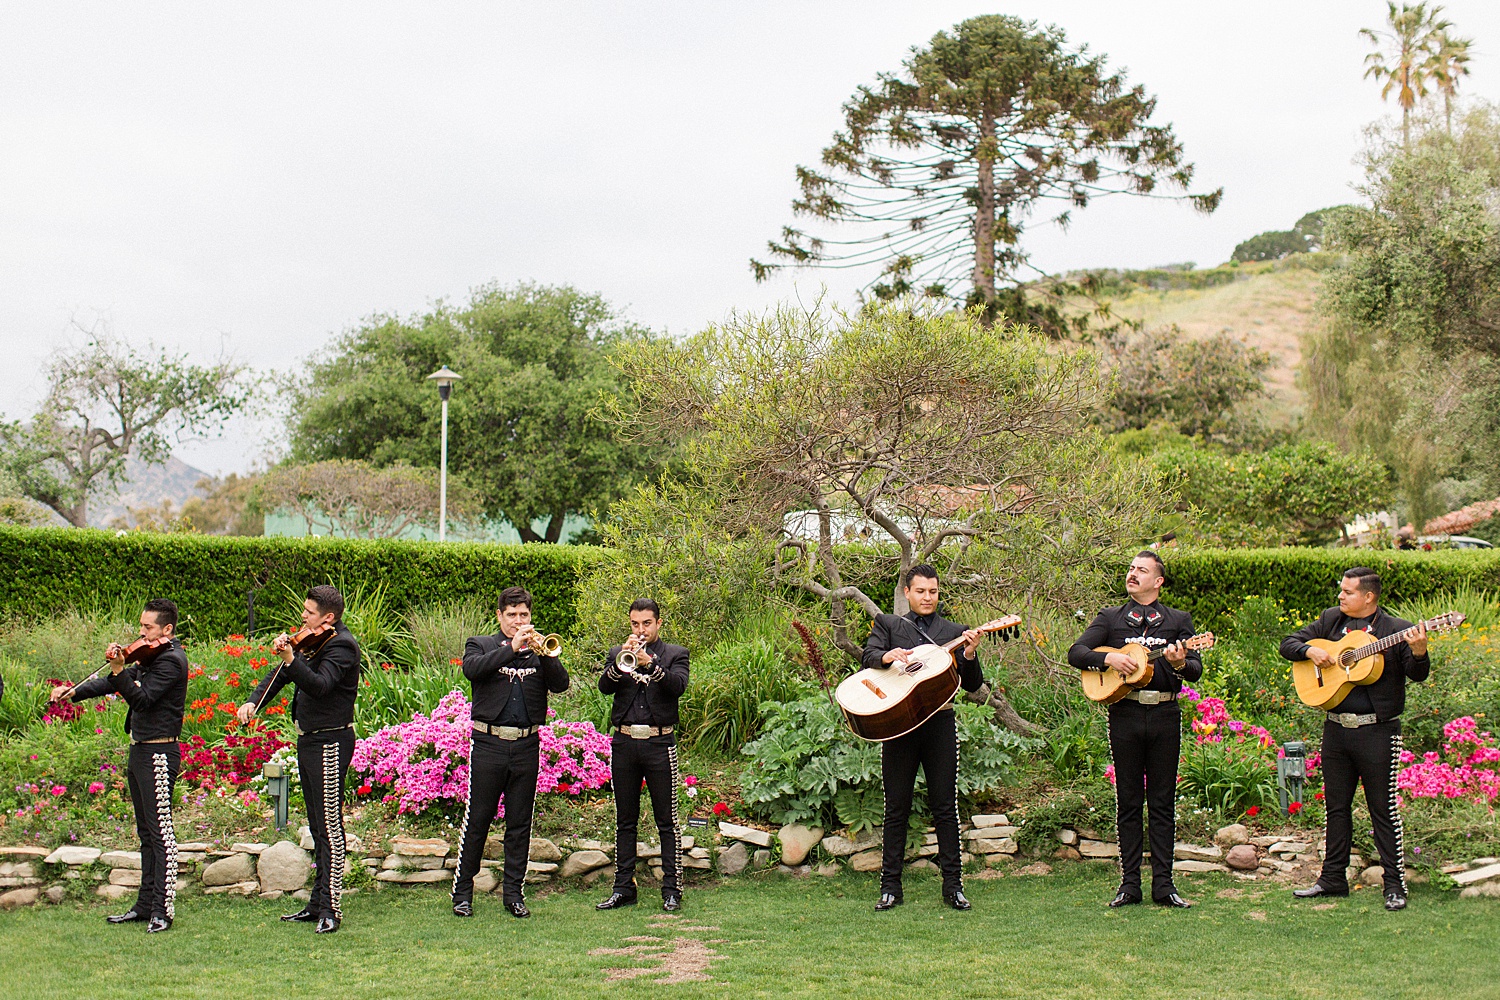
772,936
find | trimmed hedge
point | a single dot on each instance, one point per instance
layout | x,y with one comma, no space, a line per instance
50,569
1214,582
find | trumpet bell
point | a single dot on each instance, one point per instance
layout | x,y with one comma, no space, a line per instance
549,645
626,662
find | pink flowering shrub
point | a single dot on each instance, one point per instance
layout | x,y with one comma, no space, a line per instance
425,762
1460,771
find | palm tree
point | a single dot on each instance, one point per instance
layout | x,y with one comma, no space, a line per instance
1403,55
1449,61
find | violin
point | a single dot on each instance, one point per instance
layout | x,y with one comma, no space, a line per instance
143,651
310,637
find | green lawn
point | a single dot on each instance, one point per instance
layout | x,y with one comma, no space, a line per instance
771,936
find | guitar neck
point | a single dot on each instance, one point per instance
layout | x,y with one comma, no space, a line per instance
1396,638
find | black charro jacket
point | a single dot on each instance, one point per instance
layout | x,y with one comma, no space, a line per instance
1151,625
890,632
156,693
492,666
655,701
1386,698
327,683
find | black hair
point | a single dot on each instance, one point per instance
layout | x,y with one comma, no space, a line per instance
328,599
1365,578
646,604
1161,567
164,610
923,570
513,597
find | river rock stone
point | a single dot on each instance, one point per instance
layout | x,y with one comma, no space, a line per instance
1232,835
20,897
415,878
581,862
121,859
113,892
125,876
646,851
796,841
430,847
485,881
1292,847
734,858
1196,852
1474,876
1067,837
250,848
543,849
1491,889
990,819
54,894
1098,849
283,866
842,847
247,888
749,834
760,858
69,855
1373,875
23,851
1198,866
866,861
702,863
427,863
229,871
1242,857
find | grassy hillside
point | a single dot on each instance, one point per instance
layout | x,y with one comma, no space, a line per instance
1270,306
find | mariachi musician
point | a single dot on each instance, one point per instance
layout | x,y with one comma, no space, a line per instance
646,676
151,675
1145,727
322,660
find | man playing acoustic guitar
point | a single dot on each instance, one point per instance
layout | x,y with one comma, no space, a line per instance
933,744
1362,739
1145,727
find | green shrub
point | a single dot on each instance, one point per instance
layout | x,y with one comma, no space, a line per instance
728,688
53,569
1228,777
1038,829
809,767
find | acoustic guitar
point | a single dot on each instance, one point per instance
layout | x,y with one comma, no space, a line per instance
1358,660
1107,686
884,703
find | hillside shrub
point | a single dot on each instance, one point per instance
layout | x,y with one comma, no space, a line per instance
53,569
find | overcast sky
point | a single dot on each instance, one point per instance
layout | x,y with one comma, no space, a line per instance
259,177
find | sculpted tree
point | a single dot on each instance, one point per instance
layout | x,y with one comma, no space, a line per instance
108,401
863,445
522,433
938,168
356,500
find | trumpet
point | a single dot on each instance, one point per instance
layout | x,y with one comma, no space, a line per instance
629,656
544,645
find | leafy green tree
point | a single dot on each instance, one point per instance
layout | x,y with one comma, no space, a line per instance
938,168
535,361
1195,385
859,446
107,401
1272,245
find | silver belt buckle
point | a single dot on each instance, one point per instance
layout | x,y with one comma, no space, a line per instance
297,726
507,732
1346,719
1148,697
638,732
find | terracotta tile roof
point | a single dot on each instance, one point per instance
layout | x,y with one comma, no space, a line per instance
1459,521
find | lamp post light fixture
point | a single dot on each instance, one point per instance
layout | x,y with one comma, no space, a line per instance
444,377
1291,771
277,786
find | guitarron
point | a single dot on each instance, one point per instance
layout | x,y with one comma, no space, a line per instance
881,704
1107,686
1358,659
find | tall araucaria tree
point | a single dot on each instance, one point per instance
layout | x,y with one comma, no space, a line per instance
939,167
856,447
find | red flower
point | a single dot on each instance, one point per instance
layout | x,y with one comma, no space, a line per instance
722,809
1253,811
363,789
1294,808
456,661
1318,796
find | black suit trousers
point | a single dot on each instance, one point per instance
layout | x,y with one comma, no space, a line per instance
322,763
1370,755
655,760
934,746
1145,741
152,775
498,767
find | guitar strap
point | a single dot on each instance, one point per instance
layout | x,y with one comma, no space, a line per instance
918,626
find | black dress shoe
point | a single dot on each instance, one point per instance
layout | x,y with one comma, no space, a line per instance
302,916
128,917
1123,898
958,900
1318,889
157,925
518,909
326,925
671,901
615,901
1173,900
1395,901
463,908
888,901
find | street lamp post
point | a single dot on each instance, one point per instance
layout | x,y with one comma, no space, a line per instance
444,377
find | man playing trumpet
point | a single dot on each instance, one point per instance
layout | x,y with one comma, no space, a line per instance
646,677
510,674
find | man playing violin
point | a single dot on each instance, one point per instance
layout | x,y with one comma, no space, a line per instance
510,680
155,688
644,746
1145,727
933,745
1362,737
322,660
